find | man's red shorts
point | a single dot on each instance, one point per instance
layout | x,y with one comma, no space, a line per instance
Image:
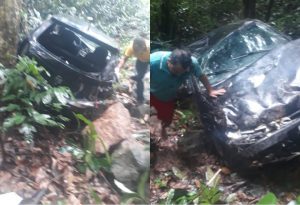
165,110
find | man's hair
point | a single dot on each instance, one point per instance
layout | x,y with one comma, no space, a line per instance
181,57
139,42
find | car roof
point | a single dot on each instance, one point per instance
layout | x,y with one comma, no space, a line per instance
86,29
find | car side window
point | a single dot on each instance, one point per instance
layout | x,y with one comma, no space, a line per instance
97,58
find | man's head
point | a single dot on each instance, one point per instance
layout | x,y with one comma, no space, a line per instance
139,45
180,61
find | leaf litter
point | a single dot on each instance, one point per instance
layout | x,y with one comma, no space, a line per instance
173,168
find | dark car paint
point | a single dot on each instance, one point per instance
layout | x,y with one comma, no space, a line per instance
70,75
257,120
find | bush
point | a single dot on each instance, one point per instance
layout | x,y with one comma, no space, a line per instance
27,100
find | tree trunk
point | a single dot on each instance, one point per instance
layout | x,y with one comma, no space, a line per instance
9,24
165,18
249,8
268,14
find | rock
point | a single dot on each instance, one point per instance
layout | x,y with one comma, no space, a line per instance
129,161
231,198
113,126
133,109
129,103
293,202
137,111
144,109
142,136
255,190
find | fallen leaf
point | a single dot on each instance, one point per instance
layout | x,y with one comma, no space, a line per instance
4,177
52,196
73,200
289,196
179,174
88,174
244,197
197,183
178,185
225,170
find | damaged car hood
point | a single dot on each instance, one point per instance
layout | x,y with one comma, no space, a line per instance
257,120
261,104
264,97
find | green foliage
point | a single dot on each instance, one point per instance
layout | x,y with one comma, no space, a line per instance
188,20
210,195
92,161
298,200
95,197
268,198
185,117
204,195
118,18
27,100
160,183
61,202
285,15
201,17
213,179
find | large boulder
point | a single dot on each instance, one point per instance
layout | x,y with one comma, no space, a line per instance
130,160
113,126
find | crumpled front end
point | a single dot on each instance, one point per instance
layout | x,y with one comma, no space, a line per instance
258,118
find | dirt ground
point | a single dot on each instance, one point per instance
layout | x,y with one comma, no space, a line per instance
168,157
47,171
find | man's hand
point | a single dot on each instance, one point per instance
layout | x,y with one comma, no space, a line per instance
216,93
211,92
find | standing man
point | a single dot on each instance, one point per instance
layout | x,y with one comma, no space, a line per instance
139,48
168,70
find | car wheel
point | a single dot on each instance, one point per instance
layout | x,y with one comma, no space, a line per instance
232,158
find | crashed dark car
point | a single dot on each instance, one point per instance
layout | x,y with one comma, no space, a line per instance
76,55
257,121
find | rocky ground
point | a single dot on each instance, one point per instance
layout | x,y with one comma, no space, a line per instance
50,171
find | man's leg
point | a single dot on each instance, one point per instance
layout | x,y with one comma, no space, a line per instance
141,69
165,111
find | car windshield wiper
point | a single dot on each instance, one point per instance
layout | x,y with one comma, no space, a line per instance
251,53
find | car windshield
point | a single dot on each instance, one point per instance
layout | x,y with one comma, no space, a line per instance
239,49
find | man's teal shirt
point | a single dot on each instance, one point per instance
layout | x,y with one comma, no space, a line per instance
163,84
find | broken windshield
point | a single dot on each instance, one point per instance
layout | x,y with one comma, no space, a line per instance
240,48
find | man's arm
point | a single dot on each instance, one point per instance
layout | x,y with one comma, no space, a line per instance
122,62
120,65
210,90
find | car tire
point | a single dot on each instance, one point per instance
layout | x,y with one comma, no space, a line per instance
234,160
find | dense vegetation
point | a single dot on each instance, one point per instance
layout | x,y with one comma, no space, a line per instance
118,18
185,21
